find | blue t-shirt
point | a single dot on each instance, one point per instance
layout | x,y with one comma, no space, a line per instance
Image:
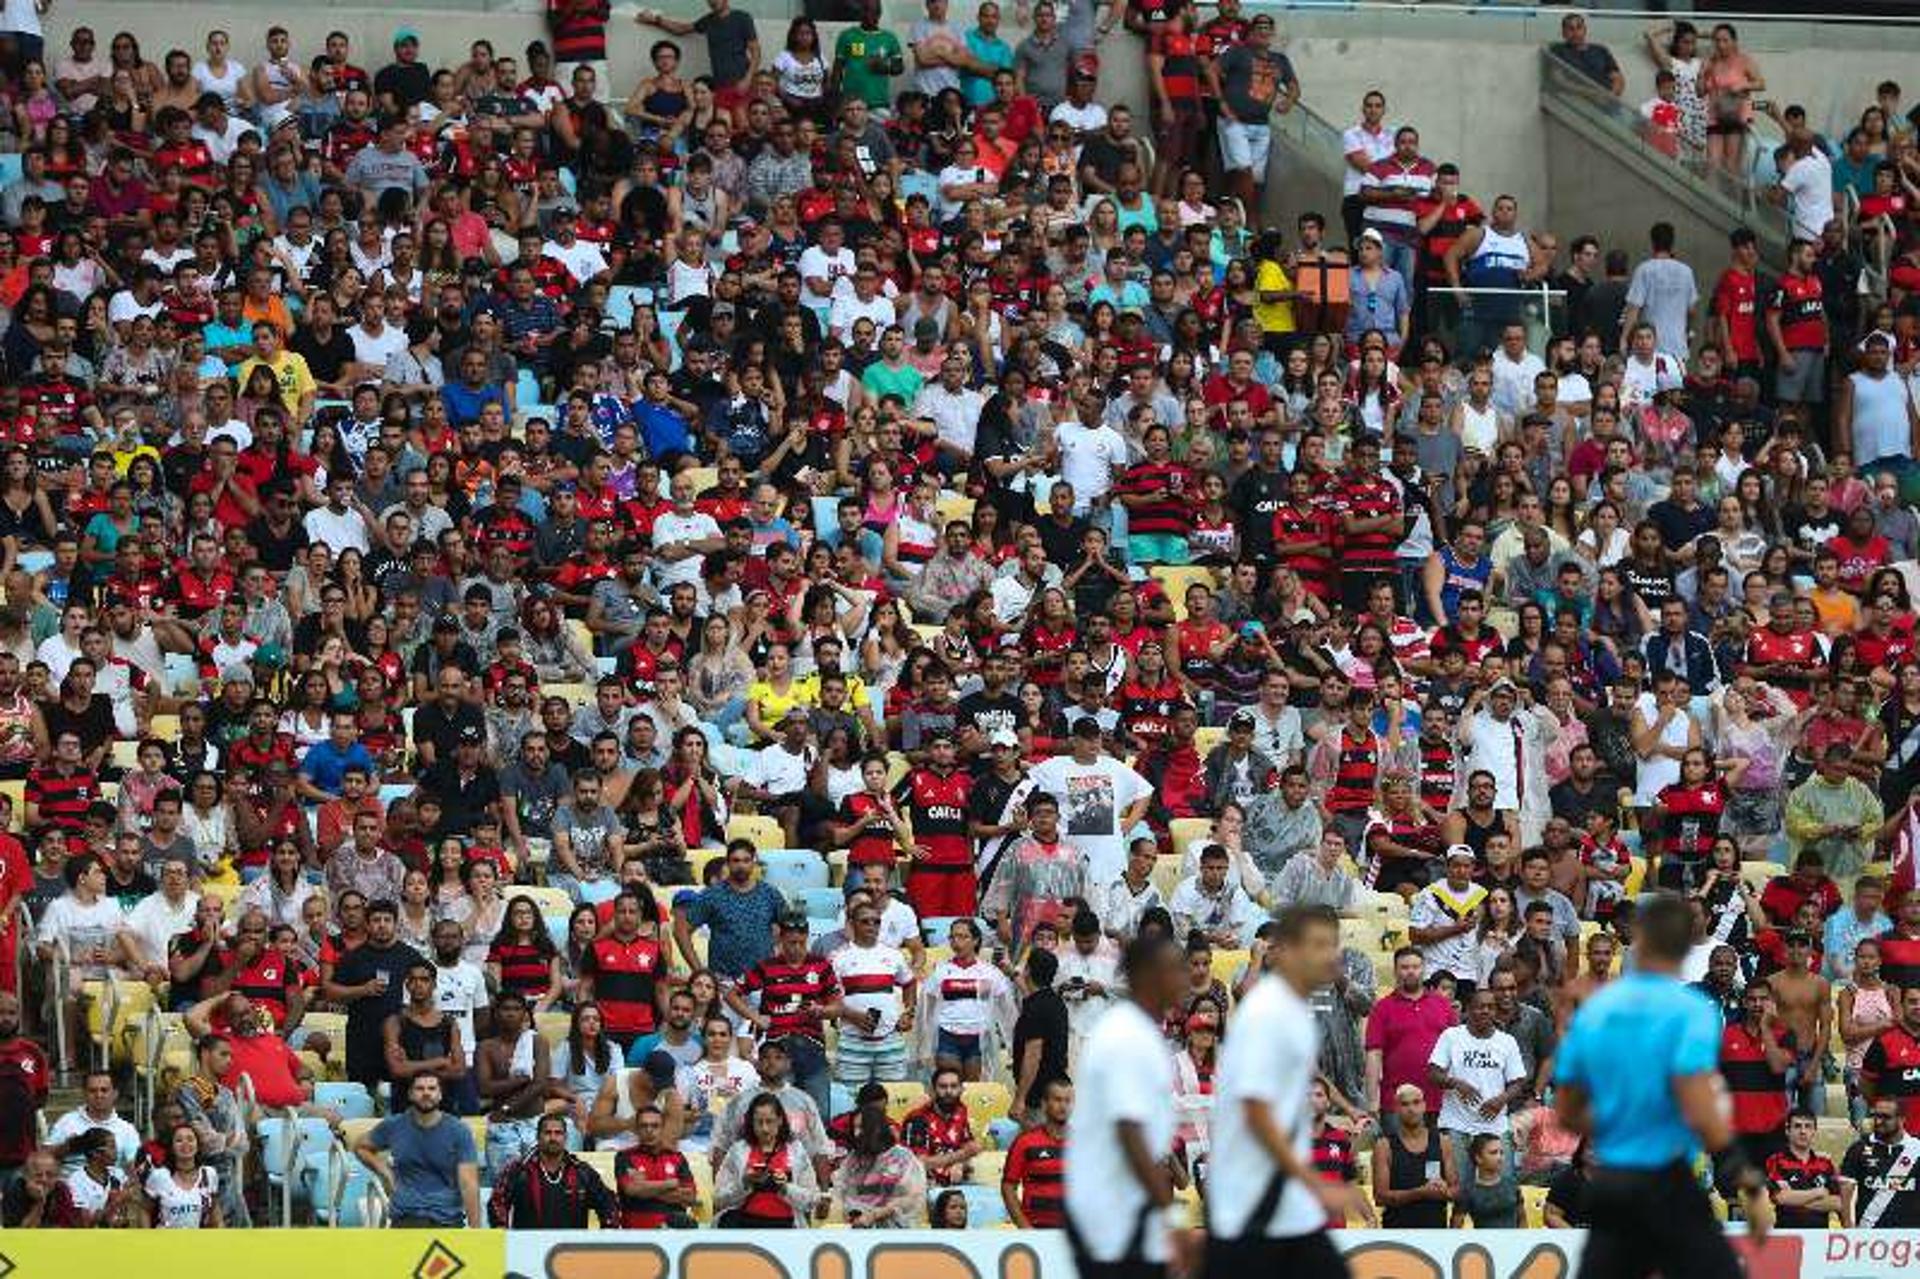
325,765
661,429
739,925
426,1166
1625,1048
464,402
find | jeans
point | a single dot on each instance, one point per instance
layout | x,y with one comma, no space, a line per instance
810,1072
507,1140
1404,258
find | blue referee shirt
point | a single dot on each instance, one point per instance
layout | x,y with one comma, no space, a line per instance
1624,1050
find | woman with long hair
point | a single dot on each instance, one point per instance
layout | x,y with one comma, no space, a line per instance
1687,816
485,909
414,923
583,1060
693,791
1728,82
522,957
185,1193
765,1181
653,833
551,645
966,992
881,1183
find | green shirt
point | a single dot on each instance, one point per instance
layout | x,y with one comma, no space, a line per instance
882,381
850,54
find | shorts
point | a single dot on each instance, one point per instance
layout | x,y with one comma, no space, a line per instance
1311,1256
942,892
1802,378
859,1061
1245,146
965,1049
1158,548
1754,812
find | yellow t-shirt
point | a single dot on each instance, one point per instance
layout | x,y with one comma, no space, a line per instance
291,372
773,705
1273,317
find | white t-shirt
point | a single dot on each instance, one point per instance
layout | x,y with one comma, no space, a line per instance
122,307
1271,1056
457,992
126,1138
89,1195
864,973
835,268
800,79
779,771
1088,458
849,308
181,1207
157,921
82,927
582,260
376,348
672,528
1808,183
1488,1065
1092,798
1109,1208
336,529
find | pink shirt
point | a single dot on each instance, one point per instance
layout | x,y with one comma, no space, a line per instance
1404,1031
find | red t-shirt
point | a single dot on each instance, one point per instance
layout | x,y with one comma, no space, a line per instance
1404,1031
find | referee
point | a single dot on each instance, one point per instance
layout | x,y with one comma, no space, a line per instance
1637,1077
1119,1178
1268,1208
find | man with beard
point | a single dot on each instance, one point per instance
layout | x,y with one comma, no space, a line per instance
426,1160
549,1188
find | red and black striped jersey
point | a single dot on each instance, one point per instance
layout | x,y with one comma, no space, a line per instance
62,799
1369,497
1037,1163
1892,1067
1172,514
625,975
937,806
638,1212
1758,1091
792,995
267,982
1356,773
929,1131
1788,1171
524,969
1146,710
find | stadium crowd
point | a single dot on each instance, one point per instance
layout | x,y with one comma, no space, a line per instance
639,659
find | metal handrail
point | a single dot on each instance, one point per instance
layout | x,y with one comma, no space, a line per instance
59,978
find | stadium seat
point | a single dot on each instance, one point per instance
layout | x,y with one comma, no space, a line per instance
477,1125
1176,579
698,858
16,793
575,695
987,1100
601,1161
1185,831
124,754
985,1208
1759,874
984,1169
1834,1136
793,870
1208,736
551,901
553,1027
351,1100
286,1146
935,929
821,903
839,1100
595,891
954,506
337,1189
904,1097
1166,874
703,1187
762,831
1227,965
621,301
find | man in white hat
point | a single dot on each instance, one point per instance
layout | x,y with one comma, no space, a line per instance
1443,917
1504,733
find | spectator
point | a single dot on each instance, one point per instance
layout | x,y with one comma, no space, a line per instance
426,1160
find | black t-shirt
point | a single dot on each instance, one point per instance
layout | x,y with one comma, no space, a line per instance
407,82
461,801
1105,156
1576,807
1679,526
325,359
986,713
1867,1163
728,35
1062,544
1043,1017
442,728
366,1015
1809,532
277,550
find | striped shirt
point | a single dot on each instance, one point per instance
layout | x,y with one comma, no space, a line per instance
1395,217
792,995
1037,1163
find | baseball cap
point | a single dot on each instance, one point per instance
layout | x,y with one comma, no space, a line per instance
1461,850
793,921
1375,236
402,35
1003,737
1241,719
471,733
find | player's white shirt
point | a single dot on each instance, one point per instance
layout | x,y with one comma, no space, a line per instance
1270,1057
1104,1200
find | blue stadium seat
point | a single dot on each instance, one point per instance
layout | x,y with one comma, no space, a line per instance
793,870
821,903
284,1160
933,930
352,1100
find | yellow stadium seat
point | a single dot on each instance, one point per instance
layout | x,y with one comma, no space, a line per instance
937,955
1227,965
703,477
165,728
124,754
1206,737
16,793
1833,1138
954,506
1533,1206
114,1016
1176,580
550,901
703,1187
837,867
698,858
1166,875
352,1130
1185,830
601,1161
1637,877
764,832
110,792
897,766
477,1125
904,1097
553,1027
581,634
987,1100
986,1167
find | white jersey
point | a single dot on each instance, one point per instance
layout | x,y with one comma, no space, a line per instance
1109,1208
872,977
1489,1066
1271,1057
